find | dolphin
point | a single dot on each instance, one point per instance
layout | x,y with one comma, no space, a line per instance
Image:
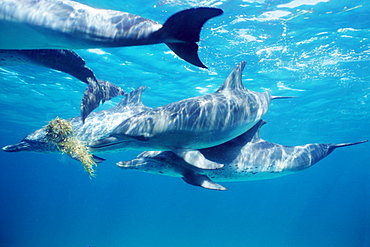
246,158
187,125
57,24
69,62
97,125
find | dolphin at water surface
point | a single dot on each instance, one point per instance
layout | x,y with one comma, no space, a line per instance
194,123
97,125
56,24
245,158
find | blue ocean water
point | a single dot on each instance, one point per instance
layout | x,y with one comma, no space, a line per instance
317,50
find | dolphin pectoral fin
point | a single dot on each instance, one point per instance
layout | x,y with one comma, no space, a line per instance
196,158
188,52
95,92
90,99
202,181
109,90
95,158
183,28
98,159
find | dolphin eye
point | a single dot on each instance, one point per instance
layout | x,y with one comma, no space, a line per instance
161,158
142,138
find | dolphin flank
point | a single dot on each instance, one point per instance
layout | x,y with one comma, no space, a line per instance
56,24
245,158
185,126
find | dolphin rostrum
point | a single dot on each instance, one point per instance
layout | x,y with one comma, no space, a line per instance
56,24
187,125
69,62
97,125
245,158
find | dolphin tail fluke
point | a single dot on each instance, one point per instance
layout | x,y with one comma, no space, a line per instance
188,52
96,92
202,181
182,30
195,158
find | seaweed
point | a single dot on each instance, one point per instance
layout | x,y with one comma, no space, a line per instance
60,132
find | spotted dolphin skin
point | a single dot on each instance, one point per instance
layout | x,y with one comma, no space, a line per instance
69,62
246,158
191,124
97,125
56,24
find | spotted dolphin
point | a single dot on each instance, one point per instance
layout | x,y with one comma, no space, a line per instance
69,62
185,126
97,125
246,158
57,24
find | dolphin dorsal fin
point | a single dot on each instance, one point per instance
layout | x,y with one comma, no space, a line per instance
133,98
252,135
234,80
256,130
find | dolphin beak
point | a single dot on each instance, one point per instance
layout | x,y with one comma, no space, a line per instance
22,146
124,164
134,163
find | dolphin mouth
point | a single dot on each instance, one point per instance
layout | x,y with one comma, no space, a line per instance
104,143
21,146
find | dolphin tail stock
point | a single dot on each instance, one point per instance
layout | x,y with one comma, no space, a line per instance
195,158
202,181
96,91
182,30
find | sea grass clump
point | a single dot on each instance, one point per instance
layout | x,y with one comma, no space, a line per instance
60,132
